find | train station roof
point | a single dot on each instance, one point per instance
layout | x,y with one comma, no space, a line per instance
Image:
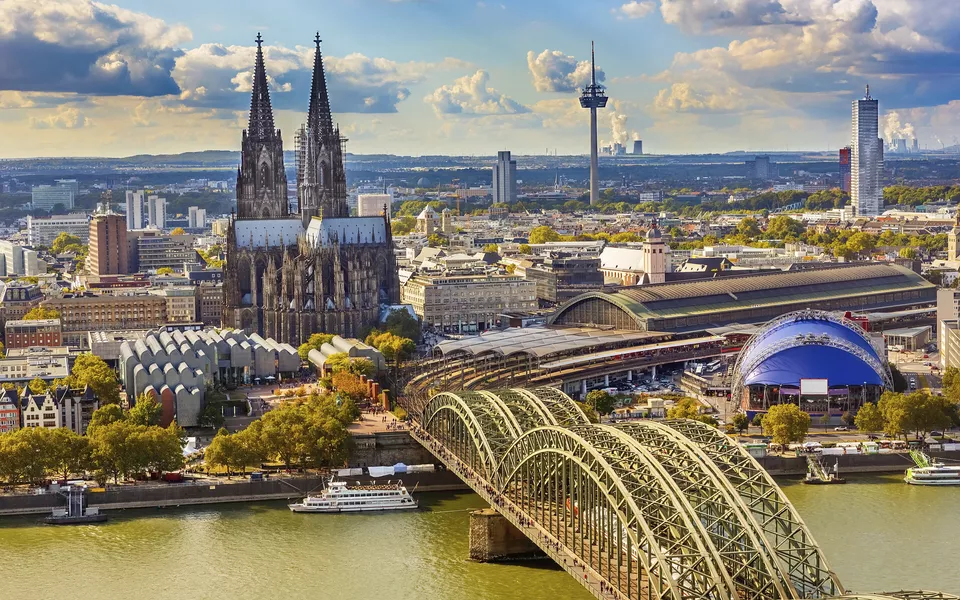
711,302
542,341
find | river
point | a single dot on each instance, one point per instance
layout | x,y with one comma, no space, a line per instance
877,533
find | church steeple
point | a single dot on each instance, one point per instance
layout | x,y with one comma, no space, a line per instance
319,118
261,113
261,179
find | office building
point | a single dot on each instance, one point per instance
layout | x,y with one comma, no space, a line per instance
108,246
652,196
467,303
153,250
196,217
134,209
72,184
866,158
86,312
759,168
23,369
504,179
373,205
561,272
638,146
210,303
15,260
156,212
41,231
27,334
52,197
219,227
845,169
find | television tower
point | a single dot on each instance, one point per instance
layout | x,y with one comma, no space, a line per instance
593,98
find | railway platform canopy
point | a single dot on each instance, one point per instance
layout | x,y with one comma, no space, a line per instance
540,342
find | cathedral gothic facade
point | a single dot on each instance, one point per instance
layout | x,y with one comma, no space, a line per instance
288,276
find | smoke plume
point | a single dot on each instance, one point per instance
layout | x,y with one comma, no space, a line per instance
618,129
893,129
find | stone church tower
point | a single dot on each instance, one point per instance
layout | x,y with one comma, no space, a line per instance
321,178
289,276
261,179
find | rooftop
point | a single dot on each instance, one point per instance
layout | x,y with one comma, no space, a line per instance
540,341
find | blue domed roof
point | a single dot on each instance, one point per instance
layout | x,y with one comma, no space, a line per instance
811,345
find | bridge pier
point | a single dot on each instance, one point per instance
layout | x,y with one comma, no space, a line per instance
493,538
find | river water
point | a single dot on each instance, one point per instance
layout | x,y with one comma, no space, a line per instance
877,532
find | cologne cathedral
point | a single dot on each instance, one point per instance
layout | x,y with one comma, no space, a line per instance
290,275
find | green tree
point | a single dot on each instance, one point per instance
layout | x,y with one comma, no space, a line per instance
40,313
543,234
848,419
748,228
313,343
491,248
910,253
110,413
403,225
69,452
601,401
524,249
868,418
402,324
146,411
824,420
178,231
3,353
758,421
783,227
37,386
89,369
225,450
435,240
861,243
590,413
63,240
787,424
622,238
740,422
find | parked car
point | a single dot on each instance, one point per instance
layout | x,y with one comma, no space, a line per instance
873,436
841,428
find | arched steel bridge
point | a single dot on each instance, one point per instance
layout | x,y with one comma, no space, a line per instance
655,509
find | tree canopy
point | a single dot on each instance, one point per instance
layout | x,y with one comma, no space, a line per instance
601,401
40,313
543,234
786,423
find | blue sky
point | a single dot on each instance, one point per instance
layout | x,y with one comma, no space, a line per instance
467,77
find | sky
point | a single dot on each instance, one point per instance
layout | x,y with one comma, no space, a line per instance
468,77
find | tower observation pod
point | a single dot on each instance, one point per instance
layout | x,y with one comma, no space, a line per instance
593,97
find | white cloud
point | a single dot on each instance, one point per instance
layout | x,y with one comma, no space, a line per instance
86,47
682,97
635,9
470,96
554,71
65,117
218,75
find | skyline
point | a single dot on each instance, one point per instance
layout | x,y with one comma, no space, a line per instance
469,78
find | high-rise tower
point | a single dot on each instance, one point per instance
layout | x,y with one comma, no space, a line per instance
866,158
593,97
261,179
505,179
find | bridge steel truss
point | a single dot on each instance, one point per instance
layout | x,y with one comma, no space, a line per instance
668,509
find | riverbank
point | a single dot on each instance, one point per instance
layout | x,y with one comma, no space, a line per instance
200,492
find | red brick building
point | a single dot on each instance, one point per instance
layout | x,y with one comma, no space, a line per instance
26,334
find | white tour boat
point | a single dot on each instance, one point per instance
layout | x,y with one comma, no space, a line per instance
929,472
339,497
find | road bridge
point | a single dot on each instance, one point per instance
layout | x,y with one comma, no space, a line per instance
653,509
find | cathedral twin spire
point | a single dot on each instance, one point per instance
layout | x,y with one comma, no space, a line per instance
261,113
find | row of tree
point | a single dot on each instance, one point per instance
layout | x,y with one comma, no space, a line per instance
118,445
303,433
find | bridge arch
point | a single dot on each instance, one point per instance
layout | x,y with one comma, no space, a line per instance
594,491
